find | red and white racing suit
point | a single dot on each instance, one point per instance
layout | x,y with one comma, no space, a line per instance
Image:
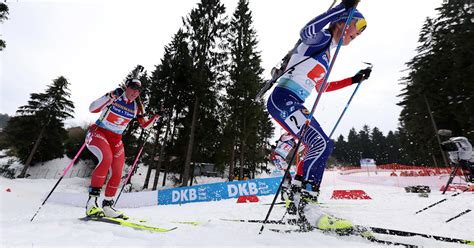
104,138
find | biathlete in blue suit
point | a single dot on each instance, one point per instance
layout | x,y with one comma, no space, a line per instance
305,71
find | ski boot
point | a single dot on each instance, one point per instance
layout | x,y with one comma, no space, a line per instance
303,197
92,208
110,211
302,221
333,224
295,205
310,195
288,195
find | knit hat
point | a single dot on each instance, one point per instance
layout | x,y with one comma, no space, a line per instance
361,24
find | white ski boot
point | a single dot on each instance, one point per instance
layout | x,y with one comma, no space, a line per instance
110,211
92,208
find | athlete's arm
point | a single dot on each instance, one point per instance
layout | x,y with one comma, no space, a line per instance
336,85
103,101
99,104
144,123
313,33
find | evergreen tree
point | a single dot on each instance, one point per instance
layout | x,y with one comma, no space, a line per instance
42,118
3,16
392,149
3,120
378,146
370,144
246,120
170,85
438,80
265,131
206,28
340,151
365,146
353,150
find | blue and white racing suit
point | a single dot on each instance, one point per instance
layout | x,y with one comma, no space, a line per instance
285,104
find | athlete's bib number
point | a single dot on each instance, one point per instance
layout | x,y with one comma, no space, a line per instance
296,121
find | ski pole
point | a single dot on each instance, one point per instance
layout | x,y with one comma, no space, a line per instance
61,178
308,119
347,105
441,201
459,215
131,169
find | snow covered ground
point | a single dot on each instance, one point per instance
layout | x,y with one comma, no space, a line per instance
58,225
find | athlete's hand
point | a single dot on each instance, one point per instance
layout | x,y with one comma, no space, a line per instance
350,3
361,75
115,94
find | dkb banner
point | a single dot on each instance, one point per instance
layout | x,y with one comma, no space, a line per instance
219,191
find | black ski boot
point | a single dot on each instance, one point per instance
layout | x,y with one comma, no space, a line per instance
310,195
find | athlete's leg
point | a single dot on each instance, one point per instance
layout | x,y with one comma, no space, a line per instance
117,166
282,106
114,180
287,110
319,149
98,144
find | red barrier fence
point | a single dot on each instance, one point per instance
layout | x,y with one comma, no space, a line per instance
405,170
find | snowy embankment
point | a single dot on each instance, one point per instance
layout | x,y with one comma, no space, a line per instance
58,224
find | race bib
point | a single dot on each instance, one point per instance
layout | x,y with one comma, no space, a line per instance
295,121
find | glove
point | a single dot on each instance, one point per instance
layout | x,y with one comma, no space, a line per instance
115,94
350,3
361,75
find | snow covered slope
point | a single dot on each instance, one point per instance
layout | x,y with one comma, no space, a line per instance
58,225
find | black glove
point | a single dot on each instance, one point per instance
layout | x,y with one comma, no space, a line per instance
119,91
361,75
350,3
114,94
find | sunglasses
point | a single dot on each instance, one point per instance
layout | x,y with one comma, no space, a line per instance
361,24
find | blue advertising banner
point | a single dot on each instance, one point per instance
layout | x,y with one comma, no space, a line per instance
218,191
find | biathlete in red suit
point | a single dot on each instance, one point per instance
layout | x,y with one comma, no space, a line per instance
104,140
